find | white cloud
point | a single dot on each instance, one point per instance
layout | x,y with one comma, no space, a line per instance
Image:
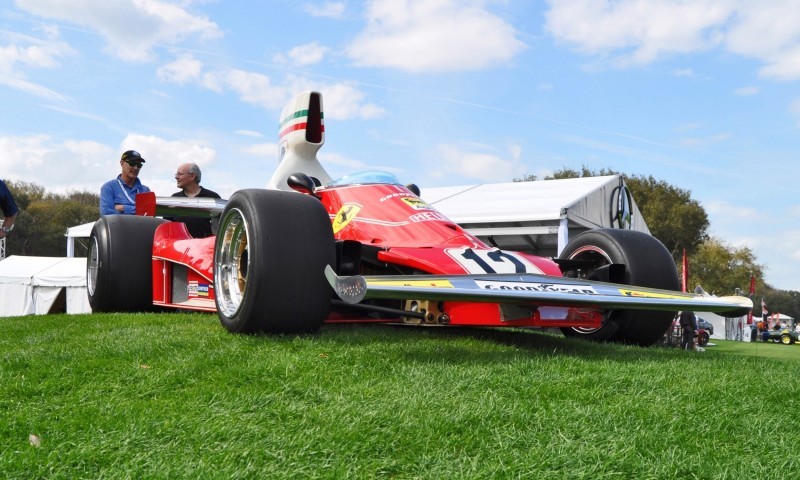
327,9
643,31
158,151
724,209
131,27
433,36
636,32
29,87
182,71
162,158
307,54
26,157
340,100
249,133
343,102
769,32
24,52
478,162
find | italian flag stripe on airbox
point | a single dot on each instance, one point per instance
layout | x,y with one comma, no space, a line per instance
294,122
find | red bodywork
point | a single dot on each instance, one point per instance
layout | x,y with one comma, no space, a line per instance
408,234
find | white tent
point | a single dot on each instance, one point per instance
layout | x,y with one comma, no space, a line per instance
540,216
78,231
33,285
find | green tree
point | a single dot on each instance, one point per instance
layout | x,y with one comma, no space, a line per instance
722,269
43,219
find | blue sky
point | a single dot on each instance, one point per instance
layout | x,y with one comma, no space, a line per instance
702,94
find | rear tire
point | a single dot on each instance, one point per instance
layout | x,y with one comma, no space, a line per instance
270,255
119,264
647,264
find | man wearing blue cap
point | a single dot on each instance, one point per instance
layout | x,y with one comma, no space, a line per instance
118,196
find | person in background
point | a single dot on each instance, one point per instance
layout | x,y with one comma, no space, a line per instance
688,324
118,196
187,179
9,208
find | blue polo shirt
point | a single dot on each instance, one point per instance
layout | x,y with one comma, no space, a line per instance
7,204
117,192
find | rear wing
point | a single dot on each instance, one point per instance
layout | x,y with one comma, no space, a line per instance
148,205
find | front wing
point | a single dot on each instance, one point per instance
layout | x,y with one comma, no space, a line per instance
527,288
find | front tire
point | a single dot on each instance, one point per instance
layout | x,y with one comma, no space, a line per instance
119,264
647,264
270,255
787,339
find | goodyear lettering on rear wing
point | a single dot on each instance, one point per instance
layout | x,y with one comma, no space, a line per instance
537,287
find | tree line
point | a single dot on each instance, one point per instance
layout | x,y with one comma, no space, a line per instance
43,219
671,214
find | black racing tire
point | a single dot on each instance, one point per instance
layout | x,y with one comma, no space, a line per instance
647,264
269,262
787,339
119,264
703,339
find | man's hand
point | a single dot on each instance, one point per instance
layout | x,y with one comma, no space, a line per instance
119,208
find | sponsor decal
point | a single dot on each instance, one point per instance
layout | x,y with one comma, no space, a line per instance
635,293
196,289
395,195
537,287
416,203
427,216
412,283
345,215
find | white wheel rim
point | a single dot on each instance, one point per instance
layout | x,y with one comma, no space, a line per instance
231,263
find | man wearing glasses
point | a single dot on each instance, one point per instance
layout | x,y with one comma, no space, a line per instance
187,178
118,196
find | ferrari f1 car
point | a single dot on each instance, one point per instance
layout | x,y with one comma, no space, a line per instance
309,249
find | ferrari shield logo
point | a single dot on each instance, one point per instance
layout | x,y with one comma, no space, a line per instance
344,216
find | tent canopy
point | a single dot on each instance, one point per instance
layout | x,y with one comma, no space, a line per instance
31,285
540,216
78,231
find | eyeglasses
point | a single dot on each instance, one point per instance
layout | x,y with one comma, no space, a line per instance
135,164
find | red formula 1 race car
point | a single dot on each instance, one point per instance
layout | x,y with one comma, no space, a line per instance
309,249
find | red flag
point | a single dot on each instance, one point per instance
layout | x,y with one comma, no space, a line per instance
685,272
752,292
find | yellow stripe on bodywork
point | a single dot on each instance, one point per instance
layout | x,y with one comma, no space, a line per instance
412,283
635,293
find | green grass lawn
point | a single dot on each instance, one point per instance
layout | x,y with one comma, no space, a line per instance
175,396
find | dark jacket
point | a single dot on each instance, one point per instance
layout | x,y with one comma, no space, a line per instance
688,321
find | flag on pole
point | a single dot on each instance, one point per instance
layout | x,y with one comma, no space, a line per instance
752,292
685,273
764,311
